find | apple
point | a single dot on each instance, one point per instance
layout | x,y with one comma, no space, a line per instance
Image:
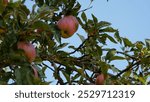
68,26
28,49
100,79
5,2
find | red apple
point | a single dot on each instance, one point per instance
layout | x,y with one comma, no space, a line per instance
68,26
5,2
28,49
100,79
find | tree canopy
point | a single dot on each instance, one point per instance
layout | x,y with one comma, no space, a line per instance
42,43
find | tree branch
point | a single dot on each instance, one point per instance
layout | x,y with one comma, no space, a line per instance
128,68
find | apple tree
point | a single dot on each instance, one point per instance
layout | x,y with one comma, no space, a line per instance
32,41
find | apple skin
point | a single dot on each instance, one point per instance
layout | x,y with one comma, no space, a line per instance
5,2
100,79
28,49
68,26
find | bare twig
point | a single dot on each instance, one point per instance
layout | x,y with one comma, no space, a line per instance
48,67
80,46
128,68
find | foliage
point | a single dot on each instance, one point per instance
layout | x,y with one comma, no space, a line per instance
17,23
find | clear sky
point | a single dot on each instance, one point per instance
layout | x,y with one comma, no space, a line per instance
130,17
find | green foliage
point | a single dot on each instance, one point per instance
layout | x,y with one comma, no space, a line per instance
81,66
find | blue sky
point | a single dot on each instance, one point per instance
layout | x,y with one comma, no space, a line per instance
130,17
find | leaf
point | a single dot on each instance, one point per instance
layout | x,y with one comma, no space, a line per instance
66,76
25,9
147,43
2,7
94,19
40,71
77,7
75,77
108,29
141,79
117,58
111,39
127,73
104,67
62,45
117,36
99,50
102,24
41,25
110,54
139,45
81,37
57,36
83,15
72,47
18,76
39,2
127,42
114,69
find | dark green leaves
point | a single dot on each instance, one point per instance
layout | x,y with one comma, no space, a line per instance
148,43
117,36
84,18
41,25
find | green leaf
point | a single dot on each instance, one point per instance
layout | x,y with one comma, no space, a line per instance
117,36
114,69
75,77
127,73
99,50
39,2
25,9
141,79
110,54
83,15
102,24
18,76
127,42
57,36
81,37
111,39
94,19
104,67
139,45
108,29
72,47
117,58
147,43
41,25
62,45
77,7
66,76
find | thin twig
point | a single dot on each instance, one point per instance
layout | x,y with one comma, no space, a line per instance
48,67
128,68
79,46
